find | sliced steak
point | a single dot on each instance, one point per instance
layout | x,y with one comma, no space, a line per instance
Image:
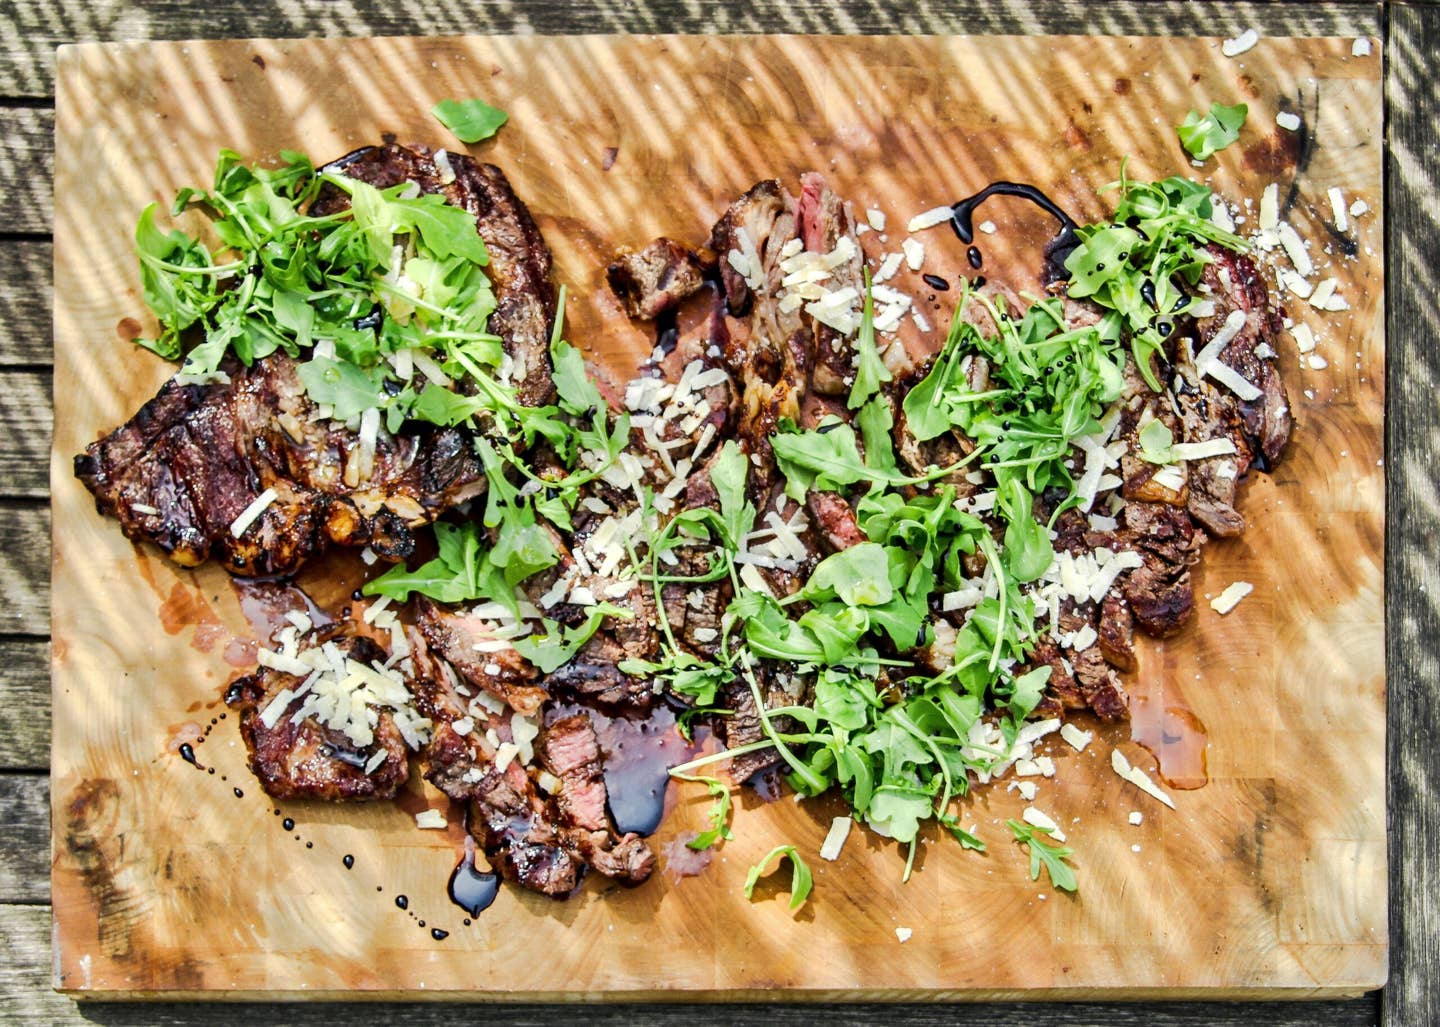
1234,283
1099,685
520,264
824,221
1117,633
570,750
655,280
1208,413
307,760
199,455
454,633
1159,592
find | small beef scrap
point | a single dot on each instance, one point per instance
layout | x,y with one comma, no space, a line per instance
656,279
182,471
1117,633
520,265
307,760
1099,685
453,633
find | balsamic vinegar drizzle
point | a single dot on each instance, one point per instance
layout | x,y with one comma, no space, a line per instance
962,221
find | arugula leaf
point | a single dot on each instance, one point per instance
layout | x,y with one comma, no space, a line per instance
1052,857
684,674
719,814
559,644
728,473
445,230
800,880
470,120
876,421
577,392
348,389
1028,550
860,576
1204,136
870,370
1156,443
458,574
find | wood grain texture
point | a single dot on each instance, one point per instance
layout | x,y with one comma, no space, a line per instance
1283,853
24,859
25,410
30,30
24,568
24,981
26,168
24,707
1413,574
25,307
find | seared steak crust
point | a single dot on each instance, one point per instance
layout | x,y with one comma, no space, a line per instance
308,760
198,455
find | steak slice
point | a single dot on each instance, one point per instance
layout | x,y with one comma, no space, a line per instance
655,280
454,633
308,760
570,750
520,264
1159,592
1234,283
824,221
193,458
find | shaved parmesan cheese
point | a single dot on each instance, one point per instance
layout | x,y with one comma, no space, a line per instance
1242,43
876,218
1295,249
251,513
1270,208
904,934
1202,450
1288,121
888,267
1359,208
374,762
1317,362
1304,337
1234,321
1036,818
504,754
929,219
1076,738
1294,282
1136,818
1232,380
1337,208
914,253
1169,477
431,820
1230,598
1027,790
835,839
144,508
1360,48
988,227
1137,777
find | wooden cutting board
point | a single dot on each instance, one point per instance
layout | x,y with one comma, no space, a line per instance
1268,881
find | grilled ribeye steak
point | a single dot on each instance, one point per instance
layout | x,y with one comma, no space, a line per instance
306,759
181,471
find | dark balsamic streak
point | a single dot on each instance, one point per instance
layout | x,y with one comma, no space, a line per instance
963,212
936,282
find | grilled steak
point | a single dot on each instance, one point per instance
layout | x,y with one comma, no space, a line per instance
196,456
306,759
453,634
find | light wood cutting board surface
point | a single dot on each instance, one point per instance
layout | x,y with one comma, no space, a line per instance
1270,880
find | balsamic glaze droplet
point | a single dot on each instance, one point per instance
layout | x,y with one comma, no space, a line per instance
239,794
288,824
667,332
349,861
402,901
978,281
1147,293
936,282
471,889
962,220
187,753
438,934
973,255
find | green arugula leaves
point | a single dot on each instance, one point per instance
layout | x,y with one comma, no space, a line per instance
1205,135
471,120
1051,857
800,880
